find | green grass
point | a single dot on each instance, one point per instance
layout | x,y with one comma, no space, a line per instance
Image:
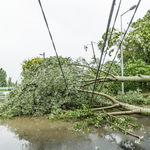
3,89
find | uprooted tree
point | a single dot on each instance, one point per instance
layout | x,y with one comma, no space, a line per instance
43,91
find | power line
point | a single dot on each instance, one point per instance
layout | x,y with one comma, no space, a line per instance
110,39
52,41
111,32
122,40
108,25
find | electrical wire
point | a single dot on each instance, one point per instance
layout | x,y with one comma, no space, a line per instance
111,32
110,39
52,41
104,44
122,40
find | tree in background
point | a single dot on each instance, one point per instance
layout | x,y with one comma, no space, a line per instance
28,63
136,51
16,83
10,83
3,82
137,43
115,69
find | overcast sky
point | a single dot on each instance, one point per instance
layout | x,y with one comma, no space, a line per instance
73,24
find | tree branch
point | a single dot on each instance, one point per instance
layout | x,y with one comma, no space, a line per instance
108,107
92,68
125,112
144,78
102,94
140,137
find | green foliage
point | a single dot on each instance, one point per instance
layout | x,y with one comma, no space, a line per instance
78,114
3,89
132,97
43,89
136,44
114,42
3,82
111,87
134,69
137,67
88,118
29,63
10,83
85,114
126,124
139,39
136,51
108,87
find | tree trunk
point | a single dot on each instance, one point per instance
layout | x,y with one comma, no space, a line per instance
139,78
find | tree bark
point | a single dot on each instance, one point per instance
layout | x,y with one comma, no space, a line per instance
144,78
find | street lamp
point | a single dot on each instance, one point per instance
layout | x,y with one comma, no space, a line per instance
133,7
43,55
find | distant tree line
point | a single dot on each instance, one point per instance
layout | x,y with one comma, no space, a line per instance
3,80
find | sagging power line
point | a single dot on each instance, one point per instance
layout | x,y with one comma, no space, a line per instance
122,41
104,44
111,32
52,42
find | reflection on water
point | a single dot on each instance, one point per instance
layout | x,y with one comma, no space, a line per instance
37,133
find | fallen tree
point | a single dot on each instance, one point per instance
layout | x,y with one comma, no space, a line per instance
43,91
131,108
139,78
